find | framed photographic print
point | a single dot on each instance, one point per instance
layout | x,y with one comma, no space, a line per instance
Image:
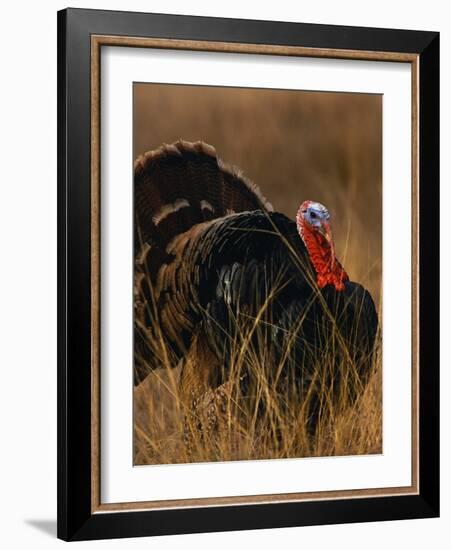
248,274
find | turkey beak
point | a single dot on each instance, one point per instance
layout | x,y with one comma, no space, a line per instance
327,232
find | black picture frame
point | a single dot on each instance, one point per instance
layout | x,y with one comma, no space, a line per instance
76,521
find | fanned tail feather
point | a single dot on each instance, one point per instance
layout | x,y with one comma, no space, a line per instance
183,184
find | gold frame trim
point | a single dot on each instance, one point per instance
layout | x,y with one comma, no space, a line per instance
97,41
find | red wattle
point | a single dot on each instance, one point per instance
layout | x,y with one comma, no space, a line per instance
329,270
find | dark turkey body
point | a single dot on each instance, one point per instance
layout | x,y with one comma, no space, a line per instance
251,295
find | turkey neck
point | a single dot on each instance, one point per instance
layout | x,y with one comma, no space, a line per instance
322,255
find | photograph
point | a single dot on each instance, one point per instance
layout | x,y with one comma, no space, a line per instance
257,288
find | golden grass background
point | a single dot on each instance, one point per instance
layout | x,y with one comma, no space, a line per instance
296,146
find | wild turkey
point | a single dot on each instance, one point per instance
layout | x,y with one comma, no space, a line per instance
219,273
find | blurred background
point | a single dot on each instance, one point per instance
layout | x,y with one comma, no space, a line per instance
295,145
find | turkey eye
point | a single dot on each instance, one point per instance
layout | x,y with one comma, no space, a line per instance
312,215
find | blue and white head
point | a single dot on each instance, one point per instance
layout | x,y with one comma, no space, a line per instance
314,213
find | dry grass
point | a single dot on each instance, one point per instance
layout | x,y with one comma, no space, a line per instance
159,428
269,424
296,146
